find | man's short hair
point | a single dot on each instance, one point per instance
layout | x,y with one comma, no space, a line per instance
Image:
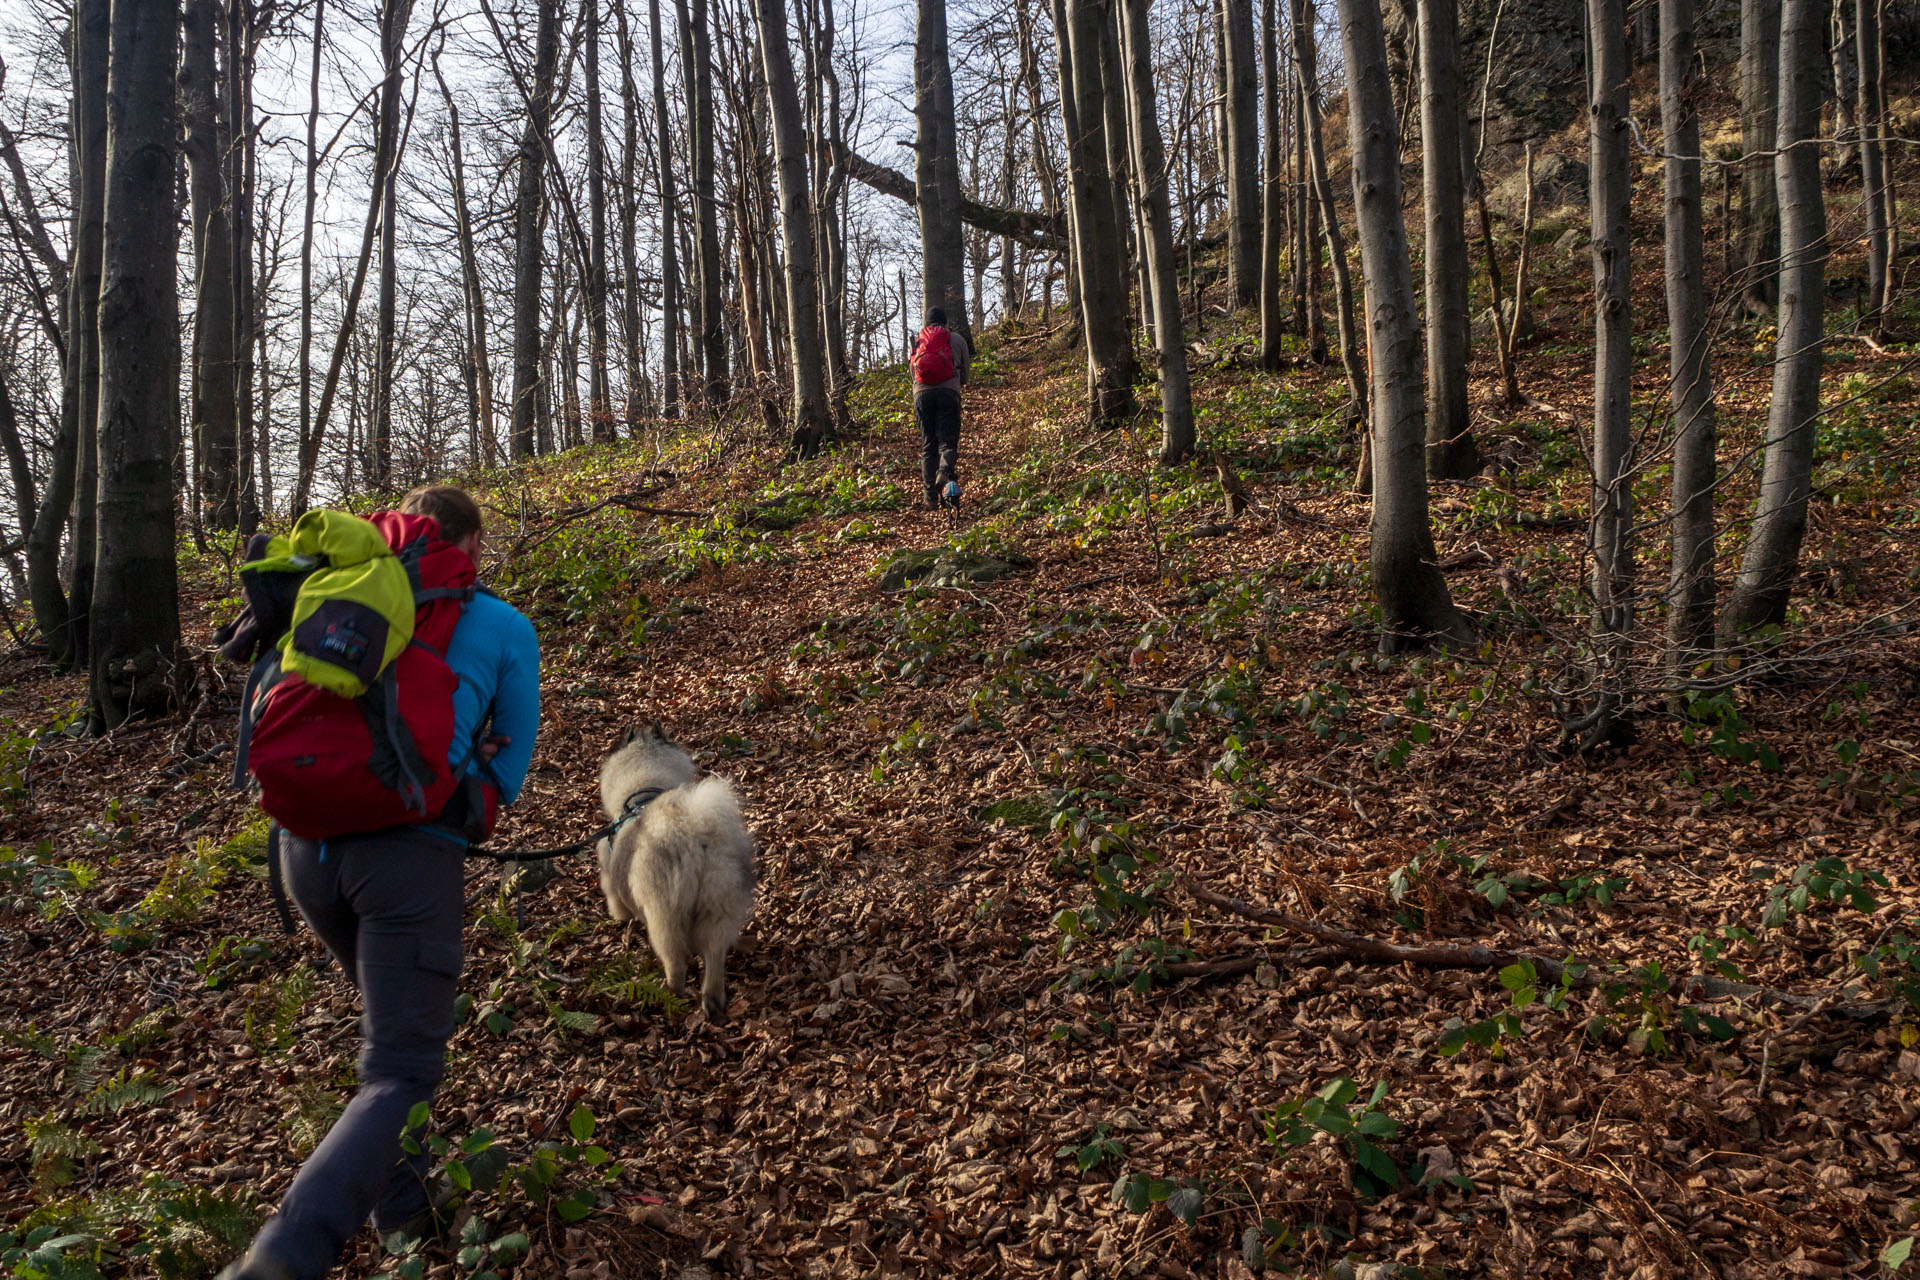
455,510
937,316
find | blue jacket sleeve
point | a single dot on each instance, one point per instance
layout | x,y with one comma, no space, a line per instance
516,705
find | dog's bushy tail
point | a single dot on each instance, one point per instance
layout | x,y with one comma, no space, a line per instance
713,803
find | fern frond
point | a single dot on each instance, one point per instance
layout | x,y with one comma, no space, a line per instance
140,1089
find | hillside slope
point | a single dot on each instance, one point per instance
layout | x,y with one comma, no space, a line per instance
983,806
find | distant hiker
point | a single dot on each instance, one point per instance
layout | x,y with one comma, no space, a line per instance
390,903
940,362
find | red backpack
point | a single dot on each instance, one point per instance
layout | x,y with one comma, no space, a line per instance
932,356
329,765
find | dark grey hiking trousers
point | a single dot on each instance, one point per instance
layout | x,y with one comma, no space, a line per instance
390,906
938,412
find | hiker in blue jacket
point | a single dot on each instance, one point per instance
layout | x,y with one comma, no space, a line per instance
390,906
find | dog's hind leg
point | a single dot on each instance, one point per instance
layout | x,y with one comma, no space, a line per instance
713,978
669,941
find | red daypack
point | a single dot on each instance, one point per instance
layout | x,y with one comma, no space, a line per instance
329,765
933,356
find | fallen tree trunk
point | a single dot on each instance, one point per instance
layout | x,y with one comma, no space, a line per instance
1035,230
1359,946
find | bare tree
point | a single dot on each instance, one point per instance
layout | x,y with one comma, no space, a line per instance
811,420
1274,226
1450,449
1611,538
1764,586
937,170
1759,108
1415,606
1871,115
1100,251
599,390
92,33
529,217
669,263
1306,60
1242,112
472,290
1690,595
1150,197
135,629
215,407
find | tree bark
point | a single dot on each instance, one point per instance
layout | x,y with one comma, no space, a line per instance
1759,109
670,375
811,419
937,171
393,32
1306,62
1614,467
303,477
1273,190
1764,586
712,326
1451,454
1415,606
1243,153
1873,167
240,201
215,424
1100,244
599,389
1690,593
1156,217
136,614
529,216
80,411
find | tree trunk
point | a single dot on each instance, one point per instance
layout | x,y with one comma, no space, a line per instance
1690,594
91,36
1873,168
632,325
1243,153
937,171
529,218
1414,604
599,389
670,375
1614,468
380,420
811,420
473,292
1759,108
1273,192
1764,586
1156,217
215,427
240,191
303,478
136,655
1100,245
1451,454
712,329
1306,62
1070,124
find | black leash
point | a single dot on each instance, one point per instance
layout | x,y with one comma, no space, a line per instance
636,803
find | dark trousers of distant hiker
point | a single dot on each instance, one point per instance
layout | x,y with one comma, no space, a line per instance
938,411
389,905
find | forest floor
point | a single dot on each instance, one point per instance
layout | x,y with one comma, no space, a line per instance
982,1022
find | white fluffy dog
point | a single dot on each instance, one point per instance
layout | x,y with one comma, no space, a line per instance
681,860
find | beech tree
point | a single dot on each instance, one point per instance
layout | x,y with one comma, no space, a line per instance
1450,449
1759,104
1100,252
1415,606
1611,523
937,170
529,216
135,627
1764,586
1691,589
1242,142
1150,194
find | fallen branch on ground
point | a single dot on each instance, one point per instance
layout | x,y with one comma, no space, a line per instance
1360,946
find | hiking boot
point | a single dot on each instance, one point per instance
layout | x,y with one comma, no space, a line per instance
933,499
